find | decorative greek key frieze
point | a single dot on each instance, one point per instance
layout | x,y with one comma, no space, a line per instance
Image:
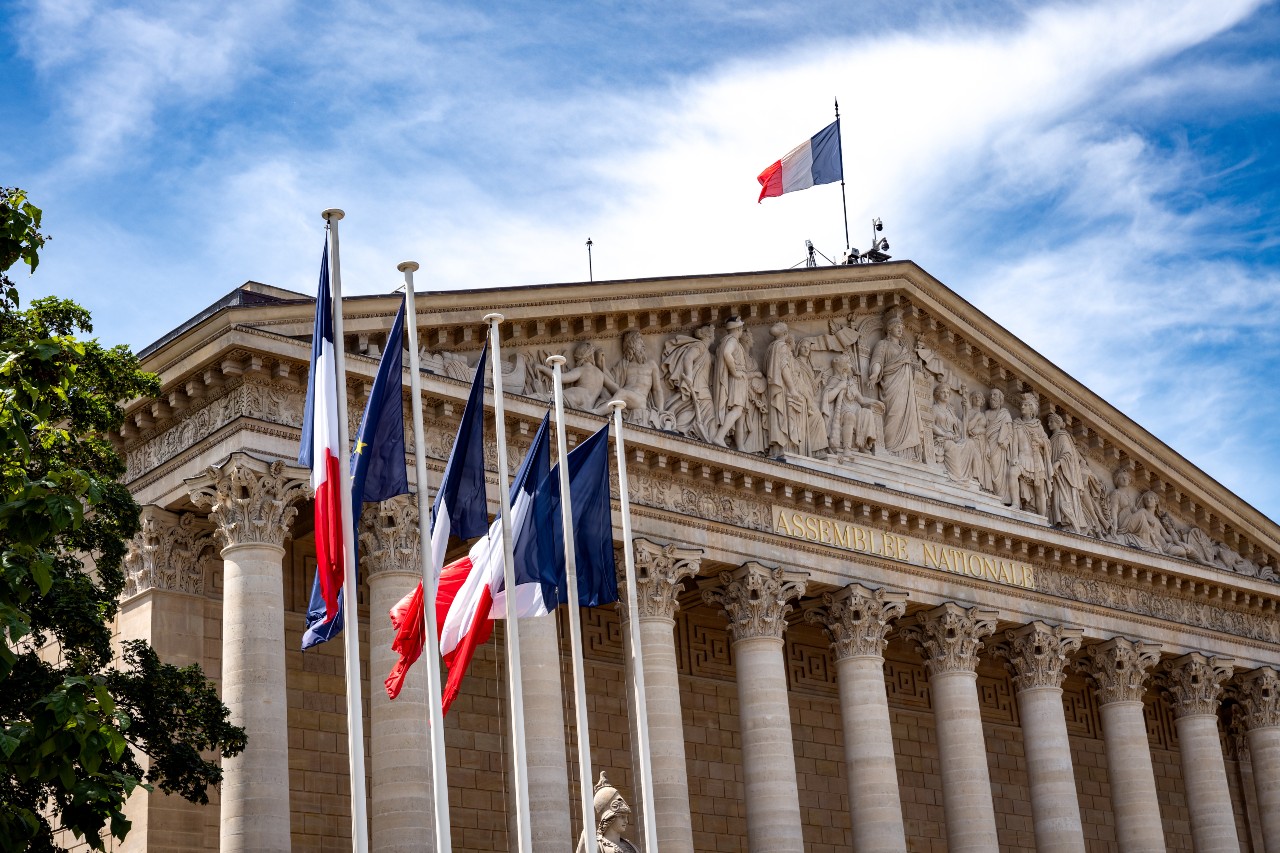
950,637
1259,696
1119,668
167,553
251,501
389,537
1038,653
757,599
660,570
858,619
1194,682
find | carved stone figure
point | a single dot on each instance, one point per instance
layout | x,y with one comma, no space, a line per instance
612,817
1000,448
893,366
785,425
686,364
1143,529
752,436
1031,457
1194,541
585,381
637,381
731,381
1069,481
856,422
975,428
1124,499
949,443
813,425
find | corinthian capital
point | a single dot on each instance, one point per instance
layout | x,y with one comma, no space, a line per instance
858,619
1119,668
757,599
1038,654
1259,695
389,537
950,637
165,553
251,501
1194,683
660,569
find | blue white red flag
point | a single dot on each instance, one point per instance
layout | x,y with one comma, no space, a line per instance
815,161
378,468
592,523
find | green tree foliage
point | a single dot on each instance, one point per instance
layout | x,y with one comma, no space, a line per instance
73,720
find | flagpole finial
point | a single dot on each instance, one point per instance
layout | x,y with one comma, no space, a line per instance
617,405
495,317
554,360
408,266
332,214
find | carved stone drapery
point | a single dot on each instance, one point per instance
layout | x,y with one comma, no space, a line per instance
858,619
250,500
389,537
950,636
660,570
1194,682
1119,668
1038,654
1259,696
757,599
166,553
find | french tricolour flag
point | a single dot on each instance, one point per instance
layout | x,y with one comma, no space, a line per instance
815,161
319,450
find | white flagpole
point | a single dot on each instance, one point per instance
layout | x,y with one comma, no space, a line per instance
350,610
439,777
520,764
586,789
640,705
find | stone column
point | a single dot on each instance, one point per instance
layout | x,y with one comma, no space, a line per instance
1037,655
660,569
1119,668
857,620
950,637
1259,696
544,735
1194,686
401,796
251,502
757,599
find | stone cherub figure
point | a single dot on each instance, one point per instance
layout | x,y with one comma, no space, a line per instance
612,816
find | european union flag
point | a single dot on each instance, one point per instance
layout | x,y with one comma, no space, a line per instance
378,468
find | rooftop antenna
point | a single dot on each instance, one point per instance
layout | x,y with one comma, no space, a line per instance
591,273
879,251
810,261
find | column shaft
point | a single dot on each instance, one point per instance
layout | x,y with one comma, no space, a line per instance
402,810
666,736
768,756
549,801
1132,778
874,802
1213,820
962,753
1054,805
1264,750
255,786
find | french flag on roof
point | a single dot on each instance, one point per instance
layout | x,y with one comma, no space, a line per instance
815,161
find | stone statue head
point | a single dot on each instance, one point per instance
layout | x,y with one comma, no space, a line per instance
997,398
805,347
583,352
1030,405
633,347
1055,422
894,324
1123,476
707,334
611,809
733,324
977,400
1150,500
778,329
842,365
941,393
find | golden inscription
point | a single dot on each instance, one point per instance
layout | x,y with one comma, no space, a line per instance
906,549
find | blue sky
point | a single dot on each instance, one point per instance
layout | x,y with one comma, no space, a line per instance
1100,177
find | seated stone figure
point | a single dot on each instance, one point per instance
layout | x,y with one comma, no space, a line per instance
612,816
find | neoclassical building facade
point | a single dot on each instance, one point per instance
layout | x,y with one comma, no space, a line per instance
905,585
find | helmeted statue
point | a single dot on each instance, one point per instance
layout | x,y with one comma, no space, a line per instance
612,816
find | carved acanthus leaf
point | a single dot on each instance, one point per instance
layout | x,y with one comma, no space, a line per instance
950,637
1193,683
1119,668
857,619
167,553
389,537
250,500
660,571
1038,653
757,599
1259,696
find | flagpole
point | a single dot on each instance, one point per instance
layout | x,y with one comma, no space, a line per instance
520,764
640,705
586,792
439,774
843,202
350,613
